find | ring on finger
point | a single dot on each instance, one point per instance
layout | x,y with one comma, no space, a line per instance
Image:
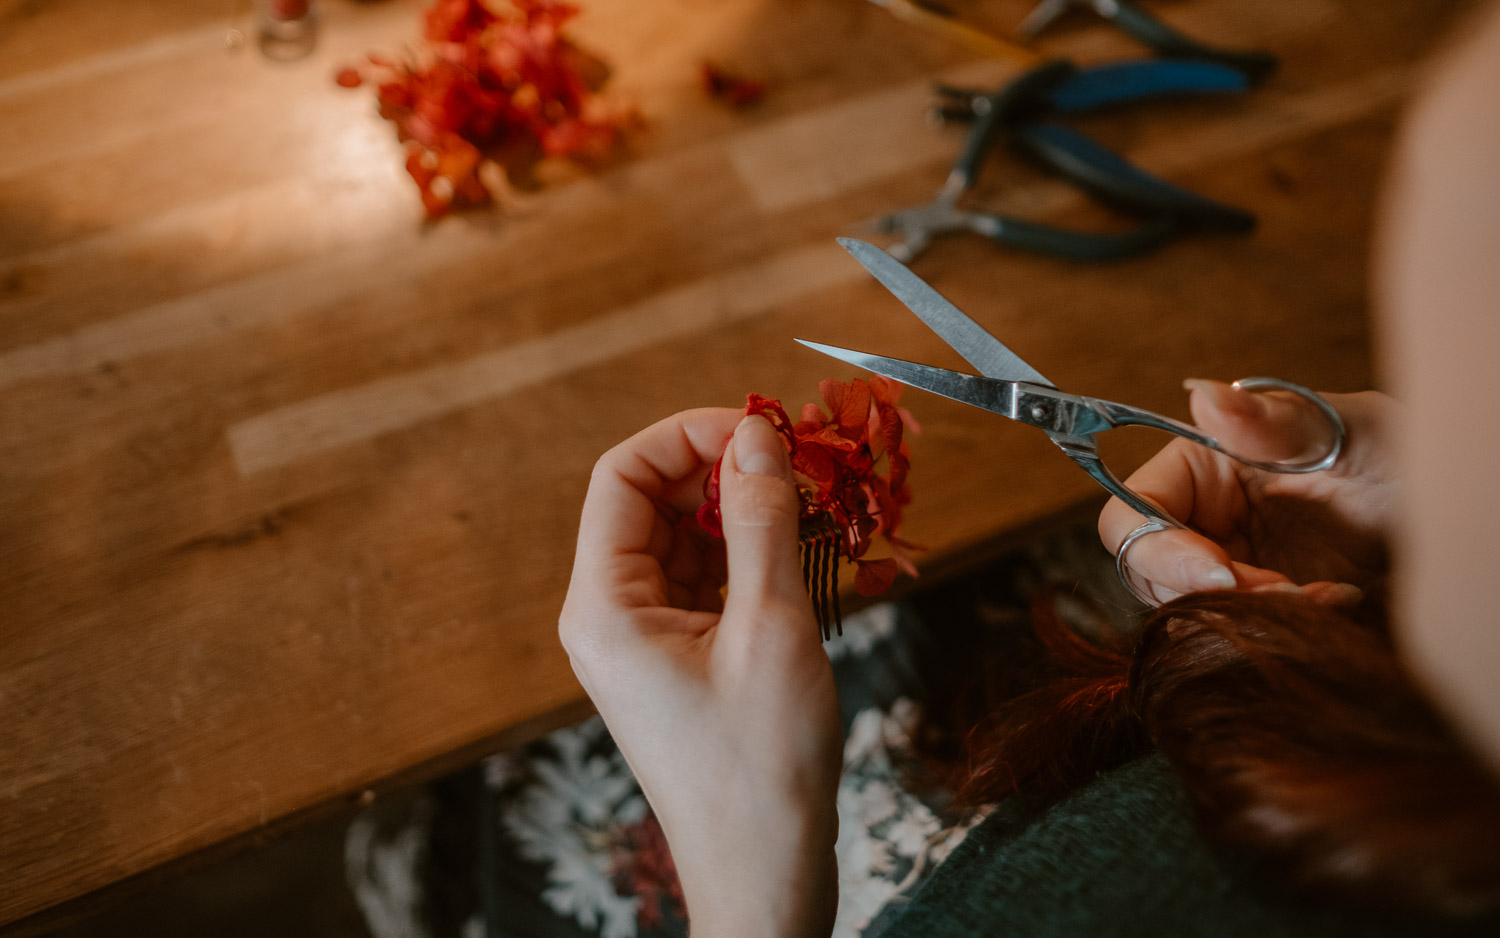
1122,568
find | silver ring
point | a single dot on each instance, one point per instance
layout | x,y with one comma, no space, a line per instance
1122,569
1335,423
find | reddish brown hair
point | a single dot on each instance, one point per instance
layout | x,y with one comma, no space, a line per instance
1298,736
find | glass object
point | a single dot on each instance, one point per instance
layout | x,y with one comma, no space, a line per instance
287,29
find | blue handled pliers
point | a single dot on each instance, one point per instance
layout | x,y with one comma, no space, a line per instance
1019,110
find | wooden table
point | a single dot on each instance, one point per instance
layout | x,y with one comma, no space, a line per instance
289,480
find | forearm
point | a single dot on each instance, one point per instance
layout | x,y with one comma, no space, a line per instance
781,882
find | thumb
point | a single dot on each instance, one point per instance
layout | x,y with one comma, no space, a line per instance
1272,426
758,504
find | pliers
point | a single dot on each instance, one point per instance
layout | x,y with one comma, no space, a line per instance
1142,26
1020,109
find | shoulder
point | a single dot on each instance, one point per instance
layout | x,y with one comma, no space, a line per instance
1119,856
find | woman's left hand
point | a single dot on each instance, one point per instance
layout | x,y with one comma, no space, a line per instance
725,709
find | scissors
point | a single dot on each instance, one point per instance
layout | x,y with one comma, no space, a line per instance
1008,386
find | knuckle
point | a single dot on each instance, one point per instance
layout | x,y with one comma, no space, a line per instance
774,614
582,643
570,632
577,629
592,636
761,501
1106,528
607,466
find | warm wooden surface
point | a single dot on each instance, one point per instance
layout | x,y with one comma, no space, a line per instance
288,482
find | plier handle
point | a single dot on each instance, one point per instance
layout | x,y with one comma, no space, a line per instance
1140,25
1062,88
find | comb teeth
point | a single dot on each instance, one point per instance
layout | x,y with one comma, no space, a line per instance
820,576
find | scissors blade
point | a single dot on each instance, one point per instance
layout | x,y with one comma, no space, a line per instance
992,394
967,337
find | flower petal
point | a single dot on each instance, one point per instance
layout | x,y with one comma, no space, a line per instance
873,577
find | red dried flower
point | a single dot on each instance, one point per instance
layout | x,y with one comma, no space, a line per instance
846,500
734,90
488,79
288,10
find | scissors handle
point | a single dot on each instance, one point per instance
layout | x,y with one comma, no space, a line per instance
1086,456
1125,415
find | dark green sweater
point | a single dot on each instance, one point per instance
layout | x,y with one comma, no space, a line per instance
1120,856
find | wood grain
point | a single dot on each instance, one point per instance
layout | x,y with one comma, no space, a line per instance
289,480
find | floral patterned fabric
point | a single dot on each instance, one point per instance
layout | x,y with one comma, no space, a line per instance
555,838
889,837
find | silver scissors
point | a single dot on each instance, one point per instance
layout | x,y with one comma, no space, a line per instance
1008,386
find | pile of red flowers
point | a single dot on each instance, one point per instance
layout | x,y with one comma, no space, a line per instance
488,79
836,457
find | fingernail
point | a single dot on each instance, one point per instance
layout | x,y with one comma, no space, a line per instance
758,449
1344,594
1347,592
1203,574
1227,397
1278,588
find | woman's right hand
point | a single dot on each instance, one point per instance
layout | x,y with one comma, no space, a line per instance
1323,533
